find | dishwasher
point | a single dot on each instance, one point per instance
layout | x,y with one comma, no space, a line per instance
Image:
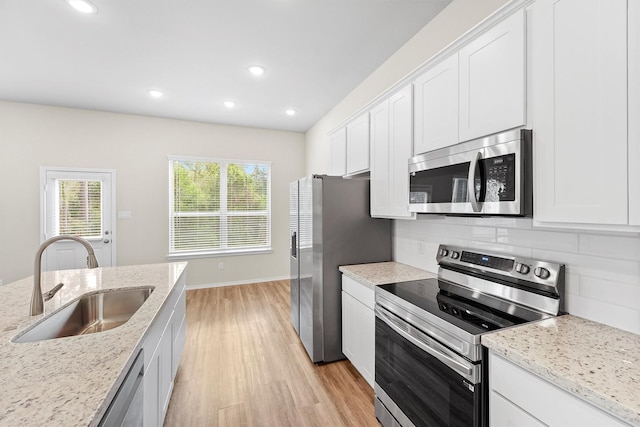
127,407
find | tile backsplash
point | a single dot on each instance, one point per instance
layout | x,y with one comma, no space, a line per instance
602,270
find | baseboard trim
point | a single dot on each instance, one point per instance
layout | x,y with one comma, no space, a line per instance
236,283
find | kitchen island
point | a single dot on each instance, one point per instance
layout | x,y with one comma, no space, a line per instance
71,381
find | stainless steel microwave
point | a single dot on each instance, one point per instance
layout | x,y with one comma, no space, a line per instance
487,176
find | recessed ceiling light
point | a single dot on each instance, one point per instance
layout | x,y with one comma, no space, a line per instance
155,93
257,70
229,104
84,6
290,112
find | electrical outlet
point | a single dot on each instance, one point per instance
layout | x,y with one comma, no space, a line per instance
421,248
221,266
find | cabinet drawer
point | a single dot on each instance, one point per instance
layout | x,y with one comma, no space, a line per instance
359,291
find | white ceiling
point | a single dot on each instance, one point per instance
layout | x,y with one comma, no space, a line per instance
197,52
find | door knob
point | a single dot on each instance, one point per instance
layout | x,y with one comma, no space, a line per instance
106,241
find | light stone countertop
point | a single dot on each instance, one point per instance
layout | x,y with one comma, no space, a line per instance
598,363
382,273
70,381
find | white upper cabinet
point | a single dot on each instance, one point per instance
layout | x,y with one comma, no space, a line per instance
358,144
391,145
579,71
493,80
338,148
380,164
436,106
634,112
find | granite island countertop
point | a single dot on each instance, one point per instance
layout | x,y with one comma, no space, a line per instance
70,381
595,362
382,273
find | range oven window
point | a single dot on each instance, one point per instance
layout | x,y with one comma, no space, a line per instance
426,391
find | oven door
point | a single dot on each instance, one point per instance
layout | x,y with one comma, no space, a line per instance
419,382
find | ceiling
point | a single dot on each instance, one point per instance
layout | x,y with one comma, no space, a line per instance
197,53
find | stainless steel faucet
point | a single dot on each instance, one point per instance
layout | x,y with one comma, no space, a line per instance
37,300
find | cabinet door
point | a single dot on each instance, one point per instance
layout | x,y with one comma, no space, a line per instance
380,161
634,112
579,67
358,144
165,381
151,397
492,79
338,147
436,107
400,147
358,336
504,413
179,331
349,327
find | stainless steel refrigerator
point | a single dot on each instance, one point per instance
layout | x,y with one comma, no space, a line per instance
329,226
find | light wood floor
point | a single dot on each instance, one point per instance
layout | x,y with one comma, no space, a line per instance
243,365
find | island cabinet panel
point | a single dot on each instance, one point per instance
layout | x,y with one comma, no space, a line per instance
436,107
521,398
162,351
492,79
358,327
579,83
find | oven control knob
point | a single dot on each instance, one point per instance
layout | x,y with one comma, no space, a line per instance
444,252
542,272
522,268
455,255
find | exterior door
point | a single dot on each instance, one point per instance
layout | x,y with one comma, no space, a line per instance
77,202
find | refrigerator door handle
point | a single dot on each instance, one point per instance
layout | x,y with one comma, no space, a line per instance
294,245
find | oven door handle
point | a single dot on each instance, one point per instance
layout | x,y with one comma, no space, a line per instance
471,181
465,371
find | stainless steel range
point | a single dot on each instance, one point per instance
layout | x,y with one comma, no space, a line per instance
430,368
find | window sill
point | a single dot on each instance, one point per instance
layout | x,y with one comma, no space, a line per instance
217,254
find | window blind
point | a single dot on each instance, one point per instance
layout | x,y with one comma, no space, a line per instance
79,208
219,206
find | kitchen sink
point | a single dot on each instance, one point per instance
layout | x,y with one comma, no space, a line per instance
88,314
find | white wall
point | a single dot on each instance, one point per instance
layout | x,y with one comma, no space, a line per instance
32,136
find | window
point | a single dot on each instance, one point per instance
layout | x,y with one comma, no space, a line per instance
79,208
219,206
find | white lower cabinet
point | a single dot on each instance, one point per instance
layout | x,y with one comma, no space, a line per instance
162,351
358,327
520,398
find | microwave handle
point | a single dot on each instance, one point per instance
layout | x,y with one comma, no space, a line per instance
471,181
